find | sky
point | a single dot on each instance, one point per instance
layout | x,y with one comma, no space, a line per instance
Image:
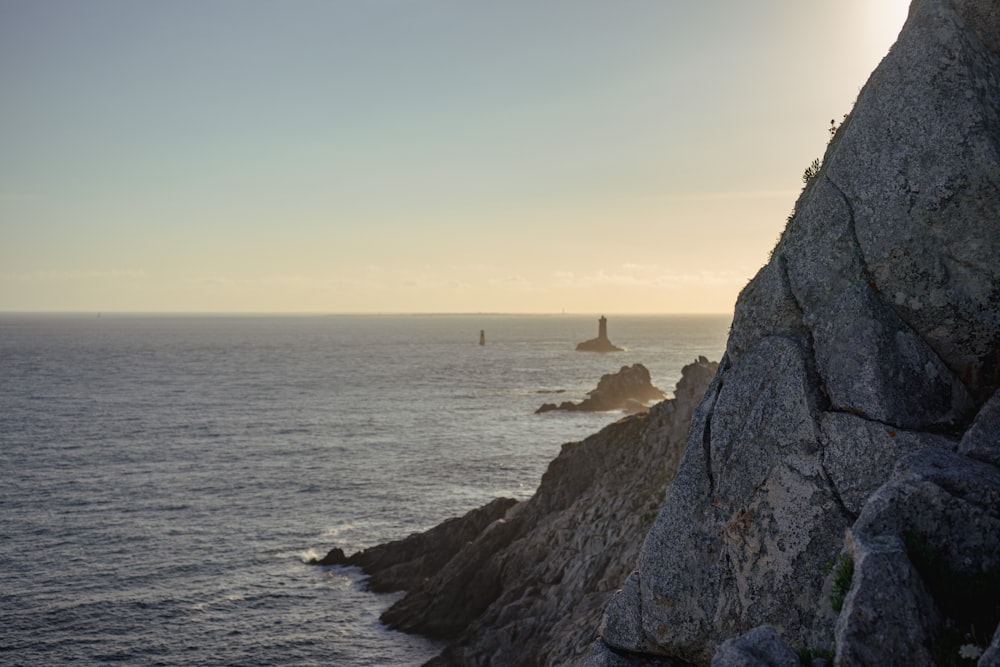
335,156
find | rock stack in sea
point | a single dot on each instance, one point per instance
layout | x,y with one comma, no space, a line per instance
600,344
631,389
526,584
839,493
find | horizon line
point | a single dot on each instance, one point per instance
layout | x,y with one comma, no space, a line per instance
258,313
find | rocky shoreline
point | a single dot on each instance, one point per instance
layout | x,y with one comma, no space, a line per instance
529,581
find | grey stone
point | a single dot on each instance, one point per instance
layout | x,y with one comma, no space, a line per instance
948,499
941,502
888,616
761,647
918,161
749,520
872,335
982,440
626,608
859,454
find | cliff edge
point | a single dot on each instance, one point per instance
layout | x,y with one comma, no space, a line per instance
838,492
525,584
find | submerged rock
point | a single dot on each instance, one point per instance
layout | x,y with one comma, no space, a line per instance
630,389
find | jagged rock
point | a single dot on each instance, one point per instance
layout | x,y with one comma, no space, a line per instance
858,452
530,589
872,334
405,564
630,389
761,647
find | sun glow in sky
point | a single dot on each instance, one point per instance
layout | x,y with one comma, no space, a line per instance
412,155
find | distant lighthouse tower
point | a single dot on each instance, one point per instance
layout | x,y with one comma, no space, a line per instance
482,336
602,328
601,343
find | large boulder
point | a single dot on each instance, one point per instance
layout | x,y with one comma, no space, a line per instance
872,336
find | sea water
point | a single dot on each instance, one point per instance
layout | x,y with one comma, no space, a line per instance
163,479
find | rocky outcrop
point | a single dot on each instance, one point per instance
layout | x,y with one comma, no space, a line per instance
870,343
630,389
600,344
530,587
407,563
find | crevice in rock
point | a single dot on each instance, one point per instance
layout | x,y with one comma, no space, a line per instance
852,225
706,438
931,429
648,659
868,418
850,516
810,347
868,277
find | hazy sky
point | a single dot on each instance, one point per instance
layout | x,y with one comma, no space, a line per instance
617,156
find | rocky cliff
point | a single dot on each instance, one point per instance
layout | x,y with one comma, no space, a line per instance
526,584
839,492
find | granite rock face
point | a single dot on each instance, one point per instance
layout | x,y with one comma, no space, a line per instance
630,389
870,340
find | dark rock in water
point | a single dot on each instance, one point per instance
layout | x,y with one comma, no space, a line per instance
601,343
530,588
630,389
333,557
405,564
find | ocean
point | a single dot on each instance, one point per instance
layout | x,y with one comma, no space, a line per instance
164,478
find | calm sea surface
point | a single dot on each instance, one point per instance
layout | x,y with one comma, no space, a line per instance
162,478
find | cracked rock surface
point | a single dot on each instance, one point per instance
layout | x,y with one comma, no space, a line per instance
871,338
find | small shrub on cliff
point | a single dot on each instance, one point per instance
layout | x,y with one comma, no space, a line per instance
843,573
811,172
